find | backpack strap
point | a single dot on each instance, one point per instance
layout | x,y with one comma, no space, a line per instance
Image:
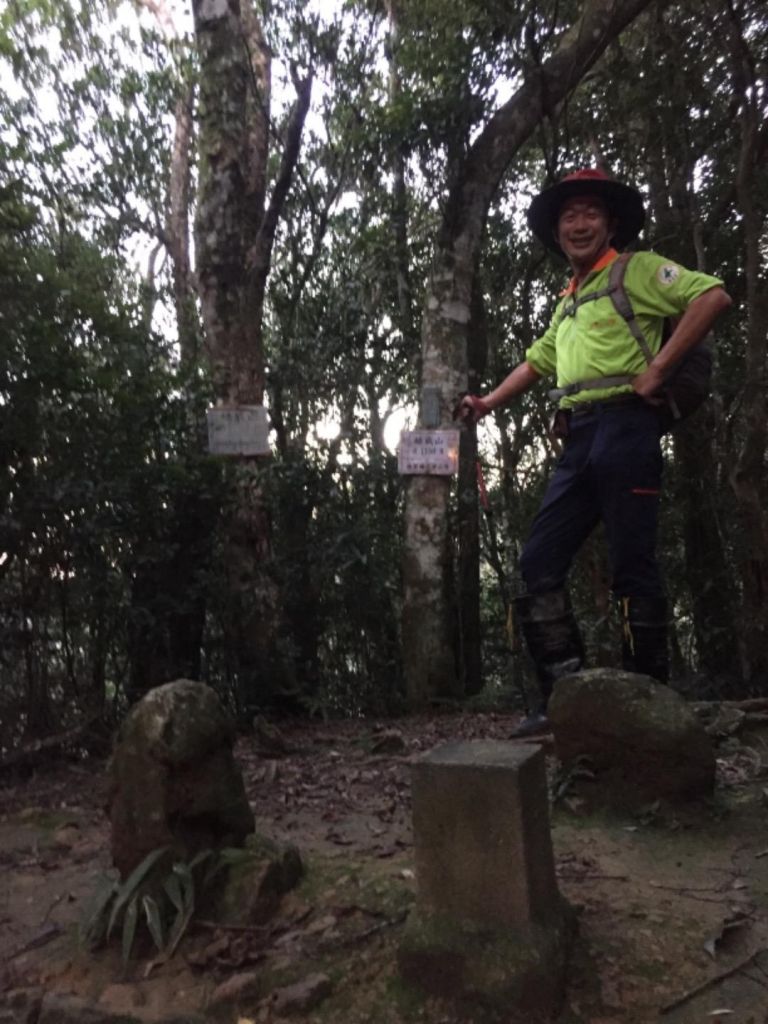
590,385
570,310
623,306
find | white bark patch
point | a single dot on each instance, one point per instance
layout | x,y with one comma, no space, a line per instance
437,374
433,302
428,531
212,10
456,311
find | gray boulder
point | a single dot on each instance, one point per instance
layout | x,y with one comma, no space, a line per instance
642,739
173,778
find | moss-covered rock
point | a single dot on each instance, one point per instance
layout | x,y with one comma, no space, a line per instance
641,737
173,777
257,881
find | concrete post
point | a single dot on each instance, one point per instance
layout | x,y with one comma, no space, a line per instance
490,929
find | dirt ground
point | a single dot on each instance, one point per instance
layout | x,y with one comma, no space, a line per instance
672,910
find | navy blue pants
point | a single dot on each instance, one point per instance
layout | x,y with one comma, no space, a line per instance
610,470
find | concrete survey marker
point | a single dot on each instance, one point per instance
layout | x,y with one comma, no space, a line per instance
490,930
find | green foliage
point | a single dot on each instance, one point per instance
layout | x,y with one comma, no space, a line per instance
91,472
155,898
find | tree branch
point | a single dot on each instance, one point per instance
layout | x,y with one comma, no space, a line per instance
490,155
262,249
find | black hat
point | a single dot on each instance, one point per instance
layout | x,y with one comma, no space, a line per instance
624,203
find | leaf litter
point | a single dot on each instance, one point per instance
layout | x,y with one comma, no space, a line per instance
646,938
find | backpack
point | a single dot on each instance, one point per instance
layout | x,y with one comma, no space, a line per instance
687,387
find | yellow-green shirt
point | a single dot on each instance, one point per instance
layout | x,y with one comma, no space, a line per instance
596,342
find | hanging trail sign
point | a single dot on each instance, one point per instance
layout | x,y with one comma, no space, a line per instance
428,452
238,430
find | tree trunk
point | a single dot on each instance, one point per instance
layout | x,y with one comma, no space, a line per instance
168,600
234,232
748,475
670,167
177,233
405,304
468,575
430,665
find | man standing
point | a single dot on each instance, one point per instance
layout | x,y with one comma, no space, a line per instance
611,465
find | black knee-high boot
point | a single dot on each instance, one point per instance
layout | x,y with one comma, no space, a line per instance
554,643
644,636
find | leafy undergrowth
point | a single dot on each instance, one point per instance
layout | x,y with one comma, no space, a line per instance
672,910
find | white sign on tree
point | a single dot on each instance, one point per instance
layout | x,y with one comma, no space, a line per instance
428,452
238,430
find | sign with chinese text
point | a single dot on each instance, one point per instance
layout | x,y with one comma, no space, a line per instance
428,452
238,430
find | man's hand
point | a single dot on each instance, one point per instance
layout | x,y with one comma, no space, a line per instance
471,409
649,384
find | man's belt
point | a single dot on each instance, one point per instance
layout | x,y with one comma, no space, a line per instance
582,408
590,385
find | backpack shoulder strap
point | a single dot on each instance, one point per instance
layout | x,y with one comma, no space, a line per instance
623,307
621,303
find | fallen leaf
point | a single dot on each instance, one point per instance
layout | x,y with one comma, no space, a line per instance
322,924
730,925
213,950
339,840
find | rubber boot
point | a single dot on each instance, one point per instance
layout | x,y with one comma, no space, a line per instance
644,636
554,643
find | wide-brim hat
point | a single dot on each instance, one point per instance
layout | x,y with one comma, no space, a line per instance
624,203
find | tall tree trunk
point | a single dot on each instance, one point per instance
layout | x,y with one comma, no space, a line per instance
235,231
748,474
168,599
468,575
670,168
430,666
405,305
177,232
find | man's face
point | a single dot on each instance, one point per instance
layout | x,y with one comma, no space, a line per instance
584,230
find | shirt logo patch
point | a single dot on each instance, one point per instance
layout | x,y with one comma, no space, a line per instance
668,274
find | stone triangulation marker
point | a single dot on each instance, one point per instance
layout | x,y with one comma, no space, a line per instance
490,930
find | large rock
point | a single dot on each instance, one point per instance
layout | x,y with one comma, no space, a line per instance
256,885
642,738
174,781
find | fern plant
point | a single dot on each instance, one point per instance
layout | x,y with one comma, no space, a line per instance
163,903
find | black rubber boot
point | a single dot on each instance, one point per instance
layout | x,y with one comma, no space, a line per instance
554,643
534,724
644,636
